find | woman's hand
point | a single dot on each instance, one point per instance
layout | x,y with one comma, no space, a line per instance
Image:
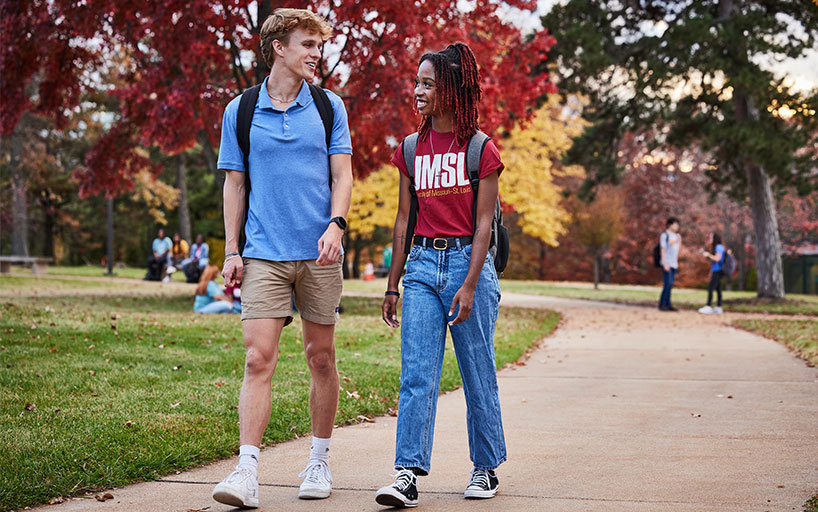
465,299
390,311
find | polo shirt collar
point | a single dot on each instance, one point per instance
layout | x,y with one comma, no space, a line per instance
303,98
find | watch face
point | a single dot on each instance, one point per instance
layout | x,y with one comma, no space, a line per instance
342,223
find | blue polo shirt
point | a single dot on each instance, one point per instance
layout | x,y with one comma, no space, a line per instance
290,200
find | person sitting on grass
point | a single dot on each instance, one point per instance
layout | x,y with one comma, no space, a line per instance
716,273
209,295
178,254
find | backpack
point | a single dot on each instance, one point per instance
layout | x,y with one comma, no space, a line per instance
657,252
728,265
244,119
499,241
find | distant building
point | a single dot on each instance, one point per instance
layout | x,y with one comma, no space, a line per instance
801,270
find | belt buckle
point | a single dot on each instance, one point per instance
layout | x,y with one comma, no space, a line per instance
445,244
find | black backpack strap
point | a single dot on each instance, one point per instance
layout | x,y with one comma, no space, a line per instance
474,153
244,119
324,107
410,146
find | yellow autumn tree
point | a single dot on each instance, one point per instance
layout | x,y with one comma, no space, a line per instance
533,167
374,202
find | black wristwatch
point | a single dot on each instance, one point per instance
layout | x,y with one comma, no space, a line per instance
342,222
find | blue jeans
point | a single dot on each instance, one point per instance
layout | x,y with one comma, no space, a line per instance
667,281
217,306
431,281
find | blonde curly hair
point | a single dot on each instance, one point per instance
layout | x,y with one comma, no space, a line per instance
280,24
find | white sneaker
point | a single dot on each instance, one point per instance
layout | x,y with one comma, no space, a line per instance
718,310
239,489
171,269
317,481
166,279
706,310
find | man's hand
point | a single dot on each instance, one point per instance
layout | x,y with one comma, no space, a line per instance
390,311
232,271
465,299
666,268
329,245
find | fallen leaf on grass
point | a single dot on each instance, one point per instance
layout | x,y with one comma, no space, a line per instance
176,368
365,419
55,500
354,395
30,406
92,373
105,497
128,423
392,412
174,406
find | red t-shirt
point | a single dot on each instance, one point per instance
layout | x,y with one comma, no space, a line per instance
442,183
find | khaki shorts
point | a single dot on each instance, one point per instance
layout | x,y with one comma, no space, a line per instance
268,289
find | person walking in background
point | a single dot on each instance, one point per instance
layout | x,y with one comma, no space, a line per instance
299,164
450,281
210,298
716,256
670,243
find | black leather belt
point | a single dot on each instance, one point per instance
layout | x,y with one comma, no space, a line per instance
441,244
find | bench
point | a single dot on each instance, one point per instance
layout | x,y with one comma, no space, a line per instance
38,265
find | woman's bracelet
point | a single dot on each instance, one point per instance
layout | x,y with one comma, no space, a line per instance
230,255
391,292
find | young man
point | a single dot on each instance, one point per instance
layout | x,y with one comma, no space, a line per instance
670,243
294,228
159,256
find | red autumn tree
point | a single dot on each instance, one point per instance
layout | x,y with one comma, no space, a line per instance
183,61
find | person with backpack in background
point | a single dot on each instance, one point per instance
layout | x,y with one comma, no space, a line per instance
444,223
717,259
670,244
287,154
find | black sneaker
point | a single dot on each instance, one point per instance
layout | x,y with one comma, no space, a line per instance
483,484
402,493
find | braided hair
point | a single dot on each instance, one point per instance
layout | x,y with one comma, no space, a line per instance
457,89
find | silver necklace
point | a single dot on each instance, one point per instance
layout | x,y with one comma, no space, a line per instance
432,142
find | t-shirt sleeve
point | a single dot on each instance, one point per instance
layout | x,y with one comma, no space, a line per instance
397,160
340,141
230,155
490,161
213,289
720,250
663,240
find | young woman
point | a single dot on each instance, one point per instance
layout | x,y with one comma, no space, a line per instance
450,282
716,258
209,295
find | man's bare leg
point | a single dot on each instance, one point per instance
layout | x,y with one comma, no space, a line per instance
261,337
319,350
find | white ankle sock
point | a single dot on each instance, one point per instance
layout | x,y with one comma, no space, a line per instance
320,449
248,458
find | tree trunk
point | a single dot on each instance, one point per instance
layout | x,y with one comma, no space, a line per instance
265,8
543,254
109,214
184,207
210,158
596,271
768,245
762,208
19,200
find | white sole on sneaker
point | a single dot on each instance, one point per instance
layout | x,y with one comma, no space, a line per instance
229,495
313,494
391,497
480,494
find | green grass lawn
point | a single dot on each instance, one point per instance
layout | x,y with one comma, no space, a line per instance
686,298
104,388
801,336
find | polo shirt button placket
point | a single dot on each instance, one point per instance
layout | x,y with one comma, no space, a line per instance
286,121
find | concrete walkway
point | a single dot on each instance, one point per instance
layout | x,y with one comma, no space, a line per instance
623,409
